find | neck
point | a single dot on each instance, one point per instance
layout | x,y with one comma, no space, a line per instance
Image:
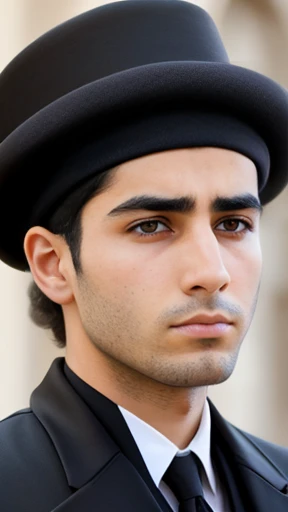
175,412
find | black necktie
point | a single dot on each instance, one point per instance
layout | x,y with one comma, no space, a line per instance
183,478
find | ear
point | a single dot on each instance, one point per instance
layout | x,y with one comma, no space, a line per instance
50,263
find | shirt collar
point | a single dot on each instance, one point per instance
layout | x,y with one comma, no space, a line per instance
158,451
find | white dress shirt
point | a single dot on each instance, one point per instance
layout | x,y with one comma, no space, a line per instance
158,452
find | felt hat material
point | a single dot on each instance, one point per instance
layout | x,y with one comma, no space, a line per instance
118,82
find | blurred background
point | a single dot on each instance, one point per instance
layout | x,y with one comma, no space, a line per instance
255,398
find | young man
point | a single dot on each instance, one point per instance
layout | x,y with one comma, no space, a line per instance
135,161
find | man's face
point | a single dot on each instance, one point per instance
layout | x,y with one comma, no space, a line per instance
148,266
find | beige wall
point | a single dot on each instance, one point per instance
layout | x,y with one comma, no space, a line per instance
255,397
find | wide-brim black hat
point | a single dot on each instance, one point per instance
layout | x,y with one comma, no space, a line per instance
118,82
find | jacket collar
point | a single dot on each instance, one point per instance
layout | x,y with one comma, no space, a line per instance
91,456
248,452
82,443
87,451
265,481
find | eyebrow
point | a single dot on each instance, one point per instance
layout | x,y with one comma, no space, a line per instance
185,204
240,202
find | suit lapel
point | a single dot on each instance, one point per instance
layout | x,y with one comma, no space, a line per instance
105,469
237,500
264,482
111,418
117,487
97,470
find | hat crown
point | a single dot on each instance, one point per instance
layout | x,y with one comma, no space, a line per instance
119,82
102,42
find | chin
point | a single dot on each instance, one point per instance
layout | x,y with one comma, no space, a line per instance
205,370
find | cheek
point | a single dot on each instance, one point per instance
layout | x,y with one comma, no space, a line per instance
125,276
137,266
245,267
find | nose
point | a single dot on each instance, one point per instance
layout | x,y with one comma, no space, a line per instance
204,267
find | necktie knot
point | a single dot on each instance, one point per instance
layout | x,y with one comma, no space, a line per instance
184,480
183,477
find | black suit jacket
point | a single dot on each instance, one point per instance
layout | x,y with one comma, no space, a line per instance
57,456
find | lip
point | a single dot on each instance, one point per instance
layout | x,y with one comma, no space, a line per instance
201,330
203,319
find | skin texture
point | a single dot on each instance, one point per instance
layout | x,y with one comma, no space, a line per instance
137,283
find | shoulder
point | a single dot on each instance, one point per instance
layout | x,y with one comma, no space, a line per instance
30,469
20,432
248,447
275,453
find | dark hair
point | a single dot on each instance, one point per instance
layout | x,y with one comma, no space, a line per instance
66,221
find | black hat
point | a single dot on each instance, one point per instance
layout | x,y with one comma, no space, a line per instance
118,82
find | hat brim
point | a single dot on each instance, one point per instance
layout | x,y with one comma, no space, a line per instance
30,156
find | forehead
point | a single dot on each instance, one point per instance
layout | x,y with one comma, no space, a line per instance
200,173
198,170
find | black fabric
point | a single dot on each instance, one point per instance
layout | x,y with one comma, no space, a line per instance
113,421
57,456
120,81
145,135
183,478
231,479
98,43
236,494
31,473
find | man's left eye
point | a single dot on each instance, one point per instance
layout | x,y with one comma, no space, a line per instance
234,225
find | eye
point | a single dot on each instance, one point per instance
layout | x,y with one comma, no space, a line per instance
234,225
149,227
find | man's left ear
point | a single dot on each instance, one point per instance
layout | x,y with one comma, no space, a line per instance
50,263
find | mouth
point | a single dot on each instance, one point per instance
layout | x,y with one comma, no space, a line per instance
204,326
